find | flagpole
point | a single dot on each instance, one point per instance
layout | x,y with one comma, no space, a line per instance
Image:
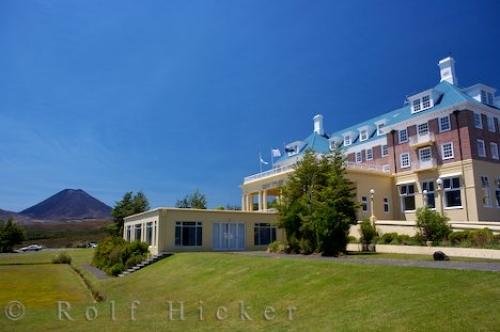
260,161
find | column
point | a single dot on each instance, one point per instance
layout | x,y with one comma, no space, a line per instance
243,202
260,200
264,200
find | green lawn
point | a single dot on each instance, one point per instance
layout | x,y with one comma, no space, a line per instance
327,296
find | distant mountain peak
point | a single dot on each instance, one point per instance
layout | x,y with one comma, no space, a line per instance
69,204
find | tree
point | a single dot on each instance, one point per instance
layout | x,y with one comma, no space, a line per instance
130,204
318,206
432,226
196,200
11,234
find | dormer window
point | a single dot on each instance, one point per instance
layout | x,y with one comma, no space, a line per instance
347,140
333,145
486,97
363,135
421,104
380,128
293,148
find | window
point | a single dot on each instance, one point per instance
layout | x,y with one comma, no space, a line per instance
425,154
386,168
347,140
444,123
385,150
486,191
423,129
451,187
490,98
380,128
494,150
478,120
369,154
386,205
405,160
416,105
481,150
128,233
403,136
264,234
188,233
428,191
447,151
491,124
407,194
364,203
426,102
149,233
497,191
483,97
359,157
138,231
333,145
363,135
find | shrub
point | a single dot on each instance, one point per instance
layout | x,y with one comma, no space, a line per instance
368,232
459,237
407,240
62,258
388,238
306,246
293,246
133,261
352,239
432,225
481,237
276,247
114,252
116,269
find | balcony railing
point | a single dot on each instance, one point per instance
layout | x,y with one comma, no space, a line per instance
283,169
274,171
422,140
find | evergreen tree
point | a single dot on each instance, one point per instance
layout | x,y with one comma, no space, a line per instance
196,200
11,234
318,204
130,204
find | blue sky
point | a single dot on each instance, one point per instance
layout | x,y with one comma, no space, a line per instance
170,96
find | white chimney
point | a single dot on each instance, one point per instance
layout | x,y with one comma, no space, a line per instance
318,124
447,70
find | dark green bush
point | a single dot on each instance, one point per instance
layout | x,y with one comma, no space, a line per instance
432,225
277,247
459,237
116,269
62,258
388,238
306,246
113,253
133,261
368,232
352,239
293,246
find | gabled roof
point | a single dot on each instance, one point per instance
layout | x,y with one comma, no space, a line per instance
449,95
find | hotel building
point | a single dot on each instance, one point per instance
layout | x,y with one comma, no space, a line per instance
440,149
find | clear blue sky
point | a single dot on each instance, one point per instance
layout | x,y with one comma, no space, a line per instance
170,96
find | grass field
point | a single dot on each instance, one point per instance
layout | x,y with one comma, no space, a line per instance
327,296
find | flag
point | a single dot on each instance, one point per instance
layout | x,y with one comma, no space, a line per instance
262,161
276,153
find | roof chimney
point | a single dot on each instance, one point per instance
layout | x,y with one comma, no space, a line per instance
318,124
447,70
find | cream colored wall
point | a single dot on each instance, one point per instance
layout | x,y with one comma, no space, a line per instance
383,186
169,216
152,216
492,171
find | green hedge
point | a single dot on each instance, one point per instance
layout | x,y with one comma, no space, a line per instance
114,254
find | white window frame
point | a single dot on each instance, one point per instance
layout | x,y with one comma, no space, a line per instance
428,102
364,204
347,140
406,135
416,106
443,156
494,150
441,129
406,194
422,150
445,190
401,156
384,150
356,159
380,126
369,154
491,123
386,168
425,183
426,131
478,120
481,152
386,204
485,185
363,135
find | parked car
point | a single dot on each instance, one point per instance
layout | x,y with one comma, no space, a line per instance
33,247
